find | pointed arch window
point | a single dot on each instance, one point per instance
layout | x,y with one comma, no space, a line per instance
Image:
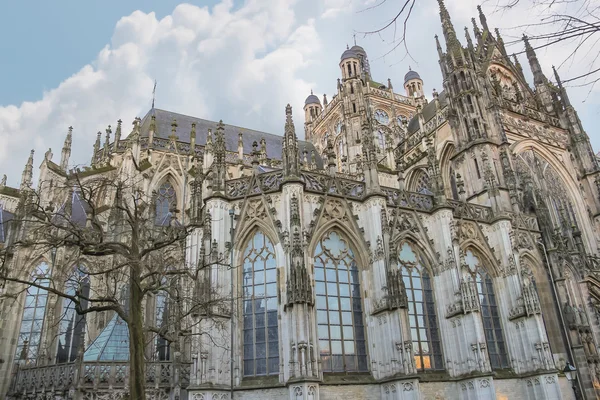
339,307
381,139
261,332
72,324
490,315
421,182
427,350
32,320
166,202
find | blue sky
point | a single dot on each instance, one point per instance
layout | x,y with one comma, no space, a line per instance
87,64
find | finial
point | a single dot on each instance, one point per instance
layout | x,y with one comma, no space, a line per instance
288,109
476,30
347,48
311,92
558,81
354,38
482,19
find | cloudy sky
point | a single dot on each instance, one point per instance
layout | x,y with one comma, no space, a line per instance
87,64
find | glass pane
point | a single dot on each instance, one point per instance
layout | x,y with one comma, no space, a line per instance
261,318
334,257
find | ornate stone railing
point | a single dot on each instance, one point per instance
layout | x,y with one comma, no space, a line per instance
471,211
418,201
314,182
91,376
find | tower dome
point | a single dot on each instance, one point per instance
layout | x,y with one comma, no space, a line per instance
361,54
312,99
410,75
349,53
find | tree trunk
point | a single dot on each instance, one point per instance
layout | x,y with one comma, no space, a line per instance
137,375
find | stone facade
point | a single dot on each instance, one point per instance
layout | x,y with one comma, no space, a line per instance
409,249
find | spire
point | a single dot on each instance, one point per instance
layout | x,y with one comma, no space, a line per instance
468,37
96,148
117,135
452,42
193,139
439,46
219,166
476,30
290,147
66,150
538,76
27,177
107,143
173,135
563,92
151,132
500,42
482,19
518,66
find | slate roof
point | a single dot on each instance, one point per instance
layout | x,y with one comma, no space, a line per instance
312,99
348,54
112,344
274,143
79,210
428,112
411,75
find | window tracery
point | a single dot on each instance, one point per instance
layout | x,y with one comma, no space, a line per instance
490,314
427,351
260,334
166,202
339,307
32,319
382,117
421,182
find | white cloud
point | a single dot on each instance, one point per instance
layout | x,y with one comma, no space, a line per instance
240,65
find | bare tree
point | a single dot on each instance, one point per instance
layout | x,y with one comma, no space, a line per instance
121,255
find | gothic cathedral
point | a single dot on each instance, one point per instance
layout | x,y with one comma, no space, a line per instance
409,248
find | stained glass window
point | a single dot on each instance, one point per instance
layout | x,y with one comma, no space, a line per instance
339,307
72,325
489,313
261,335
166,202
427,350
382,117
32,321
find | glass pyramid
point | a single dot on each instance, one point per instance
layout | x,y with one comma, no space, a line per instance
112,344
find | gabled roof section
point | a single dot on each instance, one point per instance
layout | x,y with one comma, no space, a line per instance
274,143
79,209
429,112
112,344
